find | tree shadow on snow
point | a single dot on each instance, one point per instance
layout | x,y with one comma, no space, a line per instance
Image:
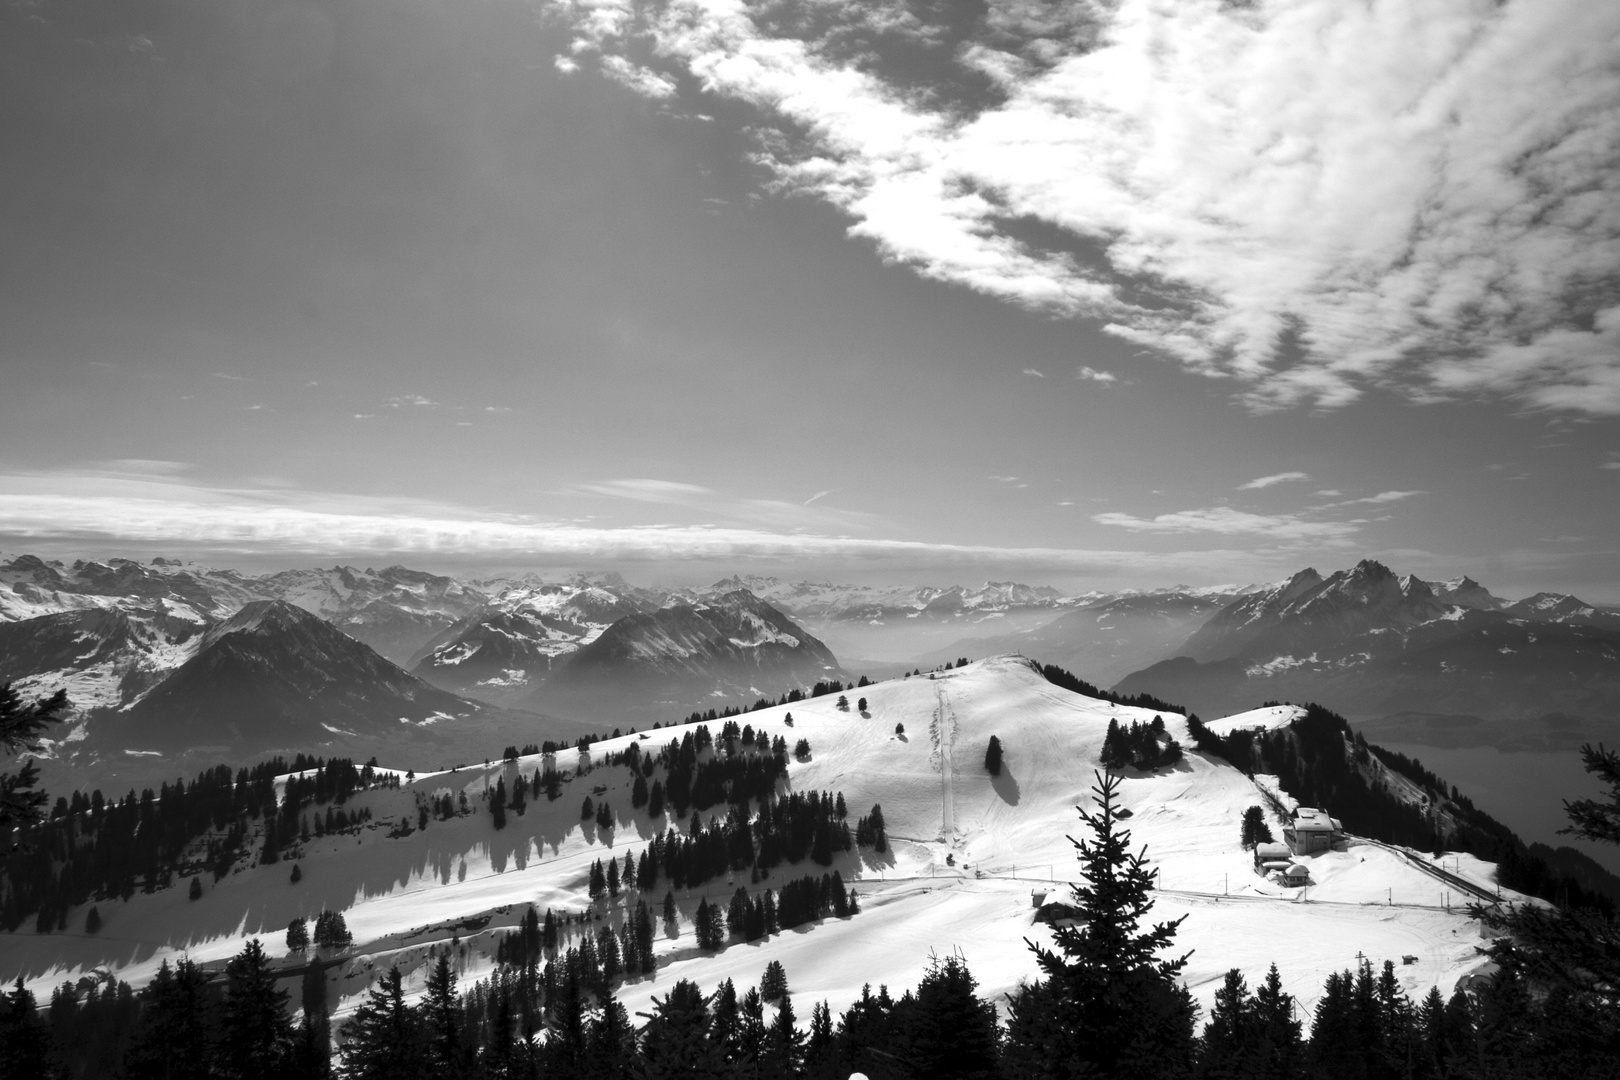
1006,786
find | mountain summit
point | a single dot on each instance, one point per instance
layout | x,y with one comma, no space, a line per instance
275,675
733,647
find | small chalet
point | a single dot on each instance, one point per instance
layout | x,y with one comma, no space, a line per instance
1296,875
1269,857
1311,830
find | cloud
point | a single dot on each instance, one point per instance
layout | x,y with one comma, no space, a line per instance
1328,493
819,495
1384,497
1093,375
1310,198
653,491
1610,465
1275,478
86,508
411,400
1227,521
1037,374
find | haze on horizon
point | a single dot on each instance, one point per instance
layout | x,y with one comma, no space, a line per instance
1097,295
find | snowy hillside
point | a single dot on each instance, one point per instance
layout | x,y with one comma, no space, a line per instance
969,857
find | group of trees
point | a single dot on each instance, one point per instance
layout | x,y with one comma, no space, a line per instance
1140,746
93,848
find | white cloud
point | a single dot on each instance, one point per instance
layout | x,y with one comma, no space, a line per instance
1037,374
1384,497
1275,478
411,400
1610,465
1227,521
1309,197
654,491
1093,375
87,508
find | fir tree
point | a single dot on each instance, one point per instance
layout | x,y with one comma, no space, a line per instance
992,757
173,1040
255,1037
25,1041
196,890
20,729
442,1022
676,1043
774,985
382,1041
297,935
1108,1006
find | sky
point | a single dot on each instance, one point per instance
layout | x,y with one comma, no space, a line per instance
1091,294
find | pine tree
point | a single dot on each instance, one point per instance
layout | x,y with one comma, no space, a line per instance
173,1040
774,984
20,728
92,921
255,1037
992,757
783,1052
25,1039
196,891
1108,1003
951,1031
297,935
442,1022
676,1043
382,1041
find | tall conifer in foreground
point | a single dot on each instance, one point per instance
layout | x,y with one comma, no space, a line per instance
1108,1007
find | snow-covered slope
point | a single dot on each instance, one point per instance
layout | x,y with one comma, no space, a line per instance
1268,718
970,857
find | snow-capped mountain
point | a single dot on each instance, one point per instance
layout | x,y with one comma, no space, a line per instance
729,649
274,675
395,610
827,602
513,643
1367,642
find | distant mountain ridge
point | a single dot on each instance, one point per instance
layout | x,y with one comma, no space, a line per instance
274,675
1367,642
732,648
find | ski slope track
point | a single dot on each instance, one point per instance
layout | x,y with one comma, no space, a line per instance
460,883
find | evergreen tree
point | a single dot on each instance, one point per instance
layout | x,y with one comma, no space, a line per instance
173,1040
1108,1006
25,1042
1255,829
992,757
382,1041
92,921
783,1052
442,1022
951,1032
20,728
297,935
774,984
676,1043
196,890
255,1038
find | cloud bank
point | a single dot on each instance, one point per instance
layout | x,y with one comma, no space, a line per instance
1309,197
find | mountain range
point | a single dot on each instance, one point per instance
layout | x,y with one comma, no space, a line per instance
1370,644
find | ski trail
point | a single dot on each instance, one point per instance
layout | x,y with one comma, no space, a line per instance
944,731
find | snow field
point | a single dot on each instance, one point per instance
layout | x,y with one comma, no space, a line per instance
460,883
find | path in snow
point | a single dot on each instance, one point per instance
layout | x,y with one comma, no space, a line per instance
944,741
